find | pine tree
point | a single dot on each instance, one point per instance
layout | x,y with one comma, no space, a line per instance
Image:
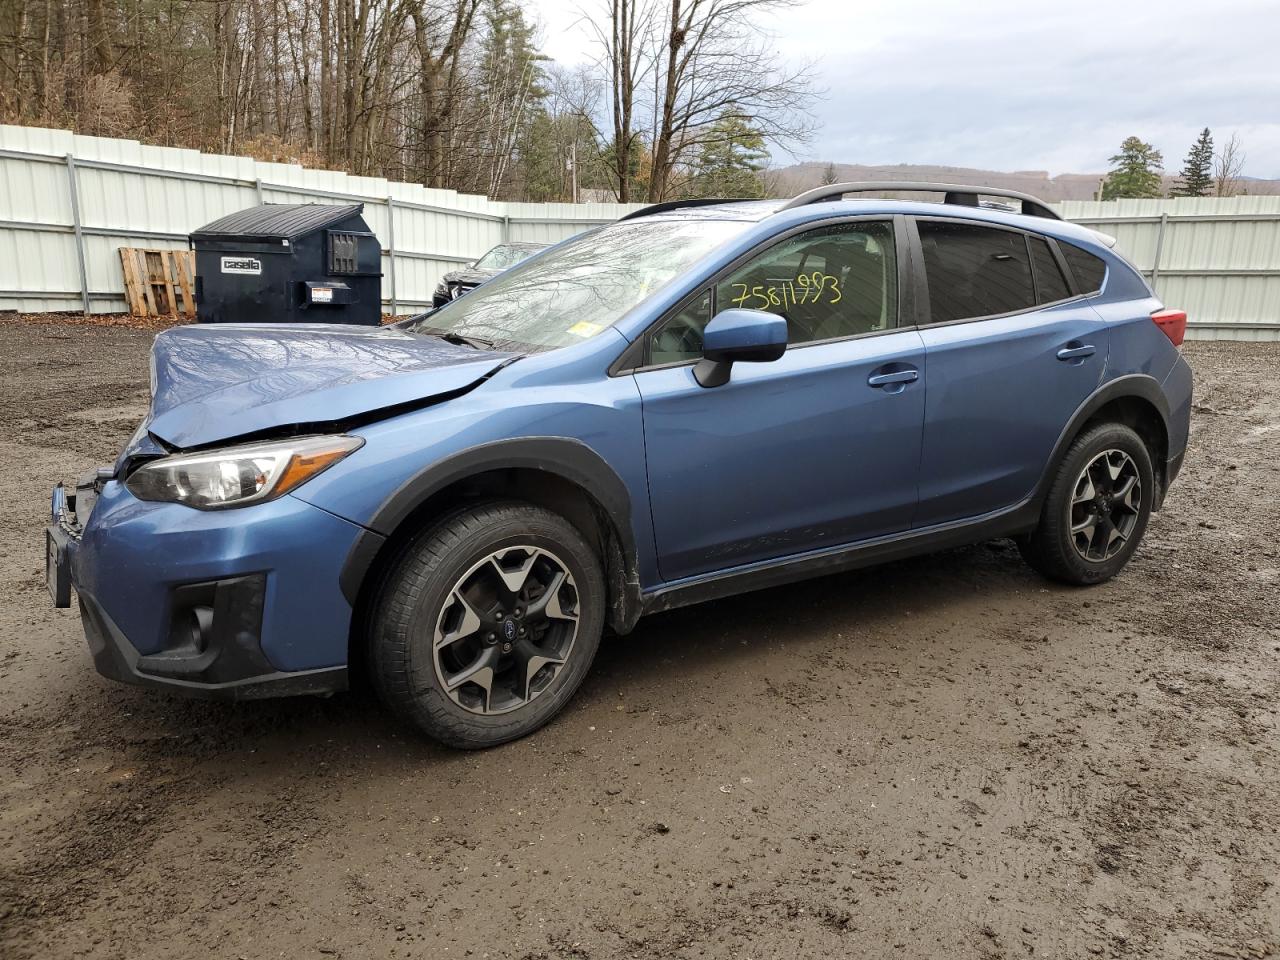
730,159
1137,171
553,143
1196,179
511,92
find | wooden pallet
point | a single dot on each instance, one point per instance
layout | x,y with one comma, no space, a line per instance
156,280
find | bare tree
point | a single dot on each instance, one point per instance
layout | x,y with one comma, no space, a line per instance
561,153
1228,165
716,60
15,22
627,59
775,184
409,89
439,37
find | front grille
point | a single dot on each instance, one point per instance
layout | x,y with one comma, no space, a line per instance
86,497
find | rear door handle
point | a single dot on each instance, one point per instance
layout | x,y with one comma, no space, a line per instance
1076,353
898,376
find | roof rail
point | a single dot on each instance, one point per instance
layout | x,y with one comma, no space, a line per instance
954,193
675,205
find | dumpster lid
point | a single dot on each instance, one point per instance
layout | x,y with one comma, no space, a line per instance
278,221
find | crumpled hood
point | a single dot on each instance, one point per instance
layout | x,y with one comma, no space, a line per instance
219,381
470,277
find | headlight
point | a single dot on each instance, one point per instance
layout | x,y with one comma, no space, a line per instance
443,289
238,476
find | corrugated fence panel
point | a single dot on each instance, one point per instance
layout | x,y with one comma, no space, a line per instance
38,263
131,194
38,271
35,192
1217,258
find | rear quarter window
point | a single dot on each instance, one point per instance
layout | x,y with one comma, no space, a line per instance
1089,270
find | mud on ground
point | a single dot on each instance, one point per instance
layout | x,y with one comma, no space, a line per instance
946,757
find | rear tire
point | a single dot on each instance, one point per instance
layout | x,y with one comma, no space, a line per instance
487,623
1097,508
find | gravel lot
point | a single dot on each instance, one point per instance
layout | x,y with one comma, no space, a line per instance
946,757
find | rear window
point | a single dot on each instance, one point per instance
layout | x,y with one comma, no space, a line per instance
1051,285
974,271
1089,270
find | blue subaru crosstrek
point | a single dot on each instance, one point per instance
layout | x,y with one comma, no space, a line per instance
698,400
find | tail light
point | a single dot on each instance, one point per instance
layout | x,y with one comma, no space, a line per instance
1173,323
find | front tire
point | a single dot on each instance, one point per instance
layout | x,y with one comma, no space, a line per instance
1097,508
487,623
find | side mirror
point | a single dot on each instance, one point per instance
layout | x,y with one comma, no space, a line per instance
751,336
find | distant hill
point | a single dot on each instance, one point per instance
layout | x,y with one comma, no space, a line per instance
788,181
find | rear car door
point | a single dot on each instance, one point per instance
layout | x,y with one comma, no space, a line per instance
816,449
1012,350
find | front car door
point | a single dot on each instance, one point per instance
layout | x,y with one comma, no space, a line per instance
814,450
1012,351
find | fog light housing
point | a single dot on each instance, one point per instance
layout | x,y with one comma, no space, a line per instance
214,632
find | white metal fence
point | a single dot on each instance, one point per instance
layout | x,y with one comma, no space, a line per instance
1218,259
67,203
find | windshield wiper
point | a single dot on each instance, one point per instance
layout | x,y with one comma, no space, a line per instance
478,343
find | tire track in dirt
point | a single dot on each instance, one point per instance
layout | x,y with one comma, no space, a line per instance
943,757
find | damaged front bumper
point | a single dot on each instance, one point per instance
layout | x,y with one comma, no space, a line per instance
234,604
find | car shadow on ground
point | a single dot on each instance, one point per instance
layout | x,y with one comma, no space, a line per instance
831,617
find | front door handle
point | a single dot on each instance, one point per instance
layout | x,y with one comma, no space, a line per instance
1078,352
897,376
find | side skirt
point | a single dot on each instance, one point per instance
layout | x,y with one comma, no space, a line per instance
771,573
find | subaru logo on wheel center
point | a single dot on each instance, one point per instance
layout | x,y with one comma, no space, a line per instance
509,629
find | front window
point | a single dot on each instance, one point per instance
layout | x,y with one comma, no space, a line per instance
581,287
828,283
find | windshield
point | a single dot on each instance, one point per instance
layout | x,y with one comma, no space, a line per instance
505,255
579,288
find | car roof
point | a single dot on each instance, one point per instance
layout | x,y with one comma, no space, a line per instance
749,210
1012,208
757,211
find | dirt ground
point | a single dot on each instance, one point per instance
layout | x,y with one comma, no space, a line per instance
946,757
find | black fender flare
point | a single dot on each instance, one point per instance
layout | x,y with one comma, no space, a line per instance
565,457
1136,385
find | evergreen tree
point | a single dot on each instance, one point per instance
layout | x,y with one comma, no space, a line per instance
729,162
541,168
1196,179
554,143
511,93
637,166
1137,171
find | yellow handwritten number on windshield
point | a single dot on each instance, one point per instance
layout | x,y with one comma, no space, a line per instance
812,287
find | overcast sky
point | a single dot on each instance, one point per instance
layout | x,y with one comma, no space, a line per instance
1028,85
